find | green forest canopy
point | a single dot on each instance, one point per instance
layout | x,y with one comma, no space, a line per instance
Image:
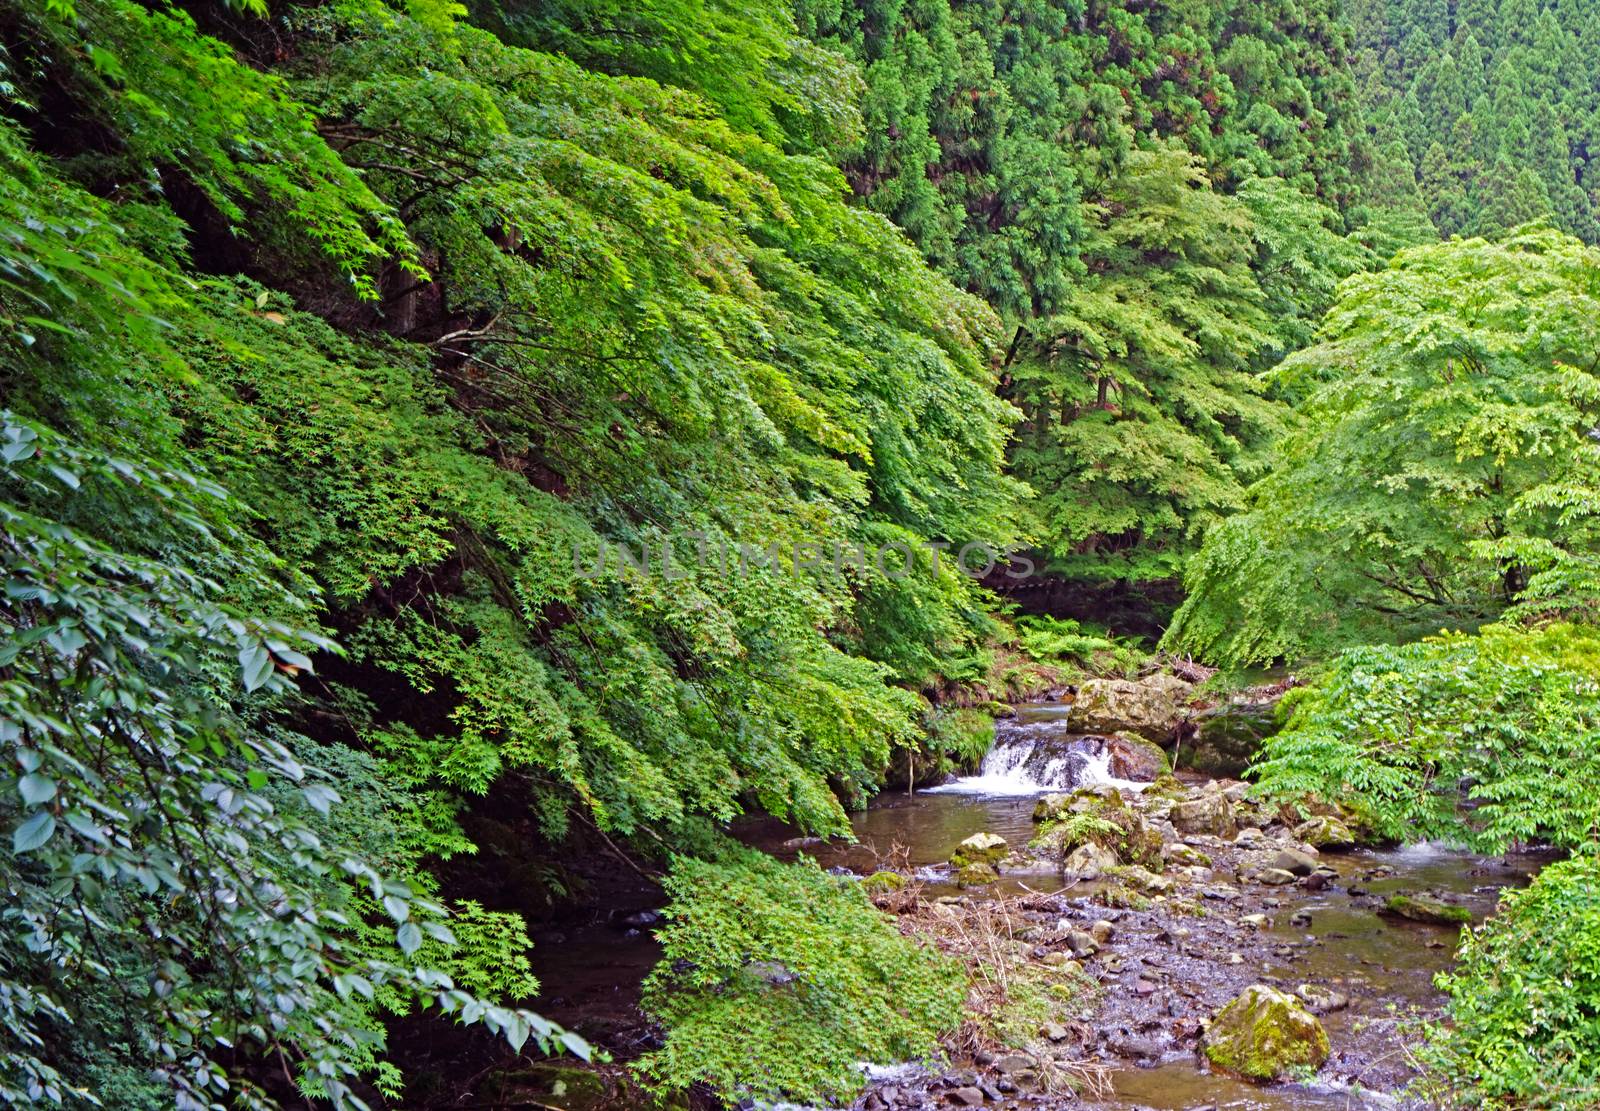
340,340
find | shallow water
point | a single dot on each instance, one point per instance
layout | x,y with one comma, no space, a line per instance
1380,962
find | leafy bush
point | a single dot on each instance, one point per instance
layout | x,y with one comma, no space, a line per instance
1486,739
150,876
1524,1015
777,979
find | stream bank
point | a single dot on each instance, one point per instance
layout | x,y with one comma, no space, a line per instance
1151,954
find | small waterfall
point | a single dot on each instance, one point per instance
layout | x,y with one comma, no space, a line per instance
1035,752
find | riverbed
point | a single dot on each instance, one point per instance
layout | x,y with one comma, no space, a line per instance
1170,964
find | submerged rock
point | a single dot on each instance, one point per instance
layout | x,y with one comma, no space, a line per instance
1263,1034
1421,908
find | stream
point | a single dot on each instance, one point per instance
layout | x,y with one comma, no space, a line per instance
1333,937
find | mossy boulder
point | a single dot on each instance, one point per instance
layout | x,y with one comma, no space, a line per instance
1421,908
1228,737
976,874
1149,707
880,882
980,848
1085,800
1264,1034
1325,832
1100,819
1131,757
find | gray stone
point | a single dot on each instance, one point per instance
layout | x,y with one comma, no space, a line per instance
1149,707
1295,862
1207,812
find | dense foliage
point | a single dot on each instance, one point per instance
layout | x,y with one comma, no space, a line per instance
1524,998
458,319
534,418
1442,465
1148,194
782,978
1488,108
1486,739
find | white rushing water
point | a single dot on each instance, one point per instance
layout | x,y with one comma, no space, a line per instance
1034,758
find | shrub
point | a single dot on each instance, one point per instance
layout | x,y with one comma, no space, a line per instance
1524,1028
1489,739
778,978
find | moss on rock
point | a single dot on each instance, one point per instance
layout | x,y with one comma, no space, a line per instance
1088,817
1420,908
976,874
883,881
1265,1034
980,848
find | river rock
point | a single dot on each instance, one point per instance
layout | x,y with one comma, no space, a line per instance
1142,879
1250,837
882,882
1082,943
1422,908
1057,806
1263,1034
1102,931
1185,856
1295,862
977,874
1089,817
967,1096
1321,999
1130,756
1324,832
1228,737
1274,877
1148,707
1089,862
1208,811
980,848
